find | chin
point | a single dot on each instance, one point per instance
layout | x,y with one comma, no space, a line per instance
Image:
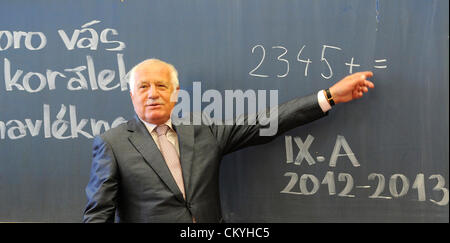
156,119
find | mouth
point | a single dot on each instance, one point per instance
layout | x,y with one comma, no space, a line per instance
154,106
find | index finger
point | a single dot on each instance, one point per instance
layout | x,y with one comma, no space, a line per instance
366,74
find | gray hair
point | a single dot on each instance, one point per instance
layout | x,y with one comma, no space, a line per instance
173,74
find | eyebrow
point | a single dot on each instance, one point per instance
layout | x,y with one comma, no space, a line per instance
161,82
142,82
156,82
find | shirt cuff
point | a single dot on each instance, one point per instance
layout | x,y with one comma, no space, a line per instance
323,102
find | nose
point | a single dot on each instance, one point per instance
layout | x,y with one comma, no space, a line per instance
153,92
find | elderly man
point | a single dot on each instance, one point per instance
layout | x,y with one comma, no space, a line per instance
151,170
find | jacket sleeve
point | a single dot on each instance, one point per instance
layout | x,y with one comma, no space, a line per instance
102,188
289,115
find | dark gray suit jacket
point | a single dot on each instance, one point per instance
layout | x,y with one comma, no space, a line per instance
130,181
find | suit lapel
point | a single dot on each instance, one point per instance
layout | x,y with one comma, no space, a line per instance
147,147
186,141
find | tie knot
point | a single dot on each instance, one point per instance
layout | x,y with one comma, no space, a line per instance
162,129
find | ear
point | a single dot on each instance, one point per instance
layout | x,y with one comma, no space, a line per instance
174,95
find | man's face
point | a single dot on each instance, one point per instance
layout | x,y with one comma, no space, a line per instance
152,92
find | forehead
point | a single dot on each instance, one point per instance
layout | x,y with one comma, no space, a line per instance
152,71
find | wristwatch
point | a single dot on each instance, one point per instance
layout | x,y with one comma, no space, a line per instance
329,97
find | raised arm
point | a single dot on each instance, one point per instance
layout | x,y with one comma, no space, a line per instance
289,115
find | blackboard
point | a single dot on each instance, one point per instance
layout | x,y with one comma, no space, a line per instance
383,158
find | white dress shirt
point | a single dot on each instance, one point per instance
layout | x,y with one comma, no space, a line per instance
323,102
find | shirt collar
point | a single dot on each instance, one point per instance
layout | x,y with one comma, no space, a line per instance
150,127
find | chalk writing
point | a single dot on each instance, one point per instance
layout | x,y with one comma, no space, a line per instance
15,39
77,80
92,38
86,37
324,59
329,180
303,152
59,128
